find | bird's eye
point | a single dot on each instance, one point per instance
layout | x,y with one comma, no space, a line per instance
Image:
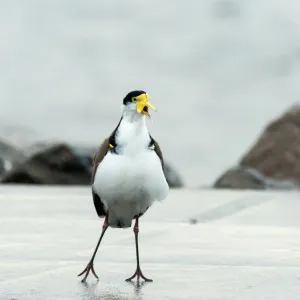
133,99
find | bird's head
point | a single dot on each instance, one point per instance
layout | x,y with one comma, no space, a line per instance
136,102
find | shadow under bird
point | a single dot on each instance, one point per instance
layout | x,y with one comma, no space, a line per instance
127,174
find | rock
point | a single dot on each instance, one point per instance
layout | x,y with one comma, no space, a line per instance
276,154
2,166
173,178
86,154
57,164
246,178
239,178
273,162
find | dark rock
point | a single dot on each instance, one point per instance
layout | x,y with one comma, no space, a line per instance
274,160
276,154
239,178
2,166
247,178
57,164
173,178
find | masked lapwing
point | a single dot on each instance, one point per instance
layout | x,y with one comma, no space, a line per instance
127,176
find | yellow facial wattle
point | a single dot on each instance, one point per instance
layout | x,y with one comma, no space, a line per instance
142,103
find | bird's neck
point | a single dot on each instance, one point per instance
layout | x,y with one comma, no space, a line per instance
132,132
132,116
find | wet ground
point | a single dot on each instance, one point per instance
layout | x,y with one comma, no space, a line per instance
197,245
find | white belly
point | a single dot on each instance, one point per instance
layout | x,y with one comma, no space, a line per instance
127,184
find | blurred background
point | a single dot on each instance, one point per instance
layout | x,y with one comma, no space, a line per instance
217,71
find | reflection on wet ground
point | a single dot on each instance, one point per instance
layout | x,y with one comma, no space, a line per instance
94,292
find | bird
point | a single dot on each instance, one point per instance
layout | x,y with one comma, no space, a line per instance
127,174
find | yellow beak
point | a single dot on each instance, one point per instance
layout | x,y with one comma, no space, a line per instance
142,105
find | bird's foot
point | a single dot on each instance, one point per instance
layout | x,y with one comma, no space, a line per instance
89,267
138,273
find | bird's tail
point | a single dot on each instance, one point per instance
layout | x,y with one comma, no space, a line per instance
120,216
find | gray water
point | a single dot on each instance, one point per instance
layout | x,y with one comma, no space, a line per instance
217,71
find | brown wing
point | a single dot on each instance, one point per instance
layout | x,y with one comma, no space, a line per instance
158,152
100,154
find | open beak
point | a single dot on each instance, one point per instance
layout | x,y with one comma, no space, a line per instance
143,105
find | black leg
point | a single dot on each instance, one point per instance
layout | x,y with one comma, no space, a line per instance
90,265
138,273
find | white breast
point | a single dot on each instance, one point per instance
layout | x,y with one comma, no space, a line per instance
130,181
